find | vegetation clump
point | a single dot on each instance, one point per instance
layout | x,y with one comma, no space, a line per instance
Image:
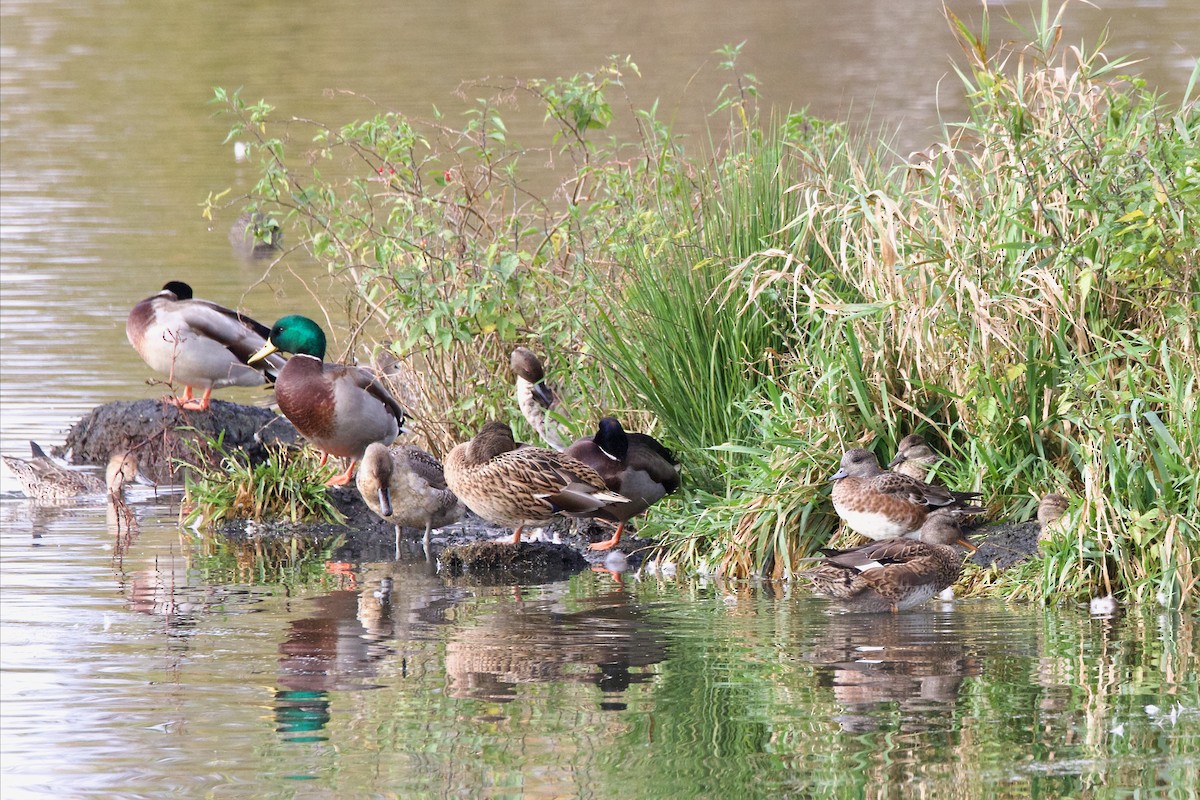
230,487
1023,292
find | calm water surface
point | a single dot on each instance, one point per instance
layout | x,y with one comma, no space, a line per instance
148,662
154,663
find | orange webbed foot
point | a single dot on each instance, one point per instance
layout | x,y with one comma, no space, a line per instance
609,544
343,478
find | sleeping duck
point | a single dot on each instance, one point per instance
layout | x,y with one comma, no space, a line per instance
199,344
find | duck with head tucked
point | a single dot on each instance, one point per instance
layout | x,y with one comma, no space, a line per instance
916,459
340,409
882,505
406,486
895,574
634,465
517,485
45,480
199,344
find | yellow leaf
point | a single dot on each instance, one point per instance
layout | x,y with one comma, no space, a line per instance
1137,213
1014,372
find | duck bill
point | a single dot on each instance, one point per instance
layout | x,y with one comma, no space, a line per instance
841,473
385,503
267,349
962,541
899,459
543,394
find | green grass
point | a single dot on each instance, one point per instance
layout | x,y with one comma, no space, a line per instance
224,486
1024,294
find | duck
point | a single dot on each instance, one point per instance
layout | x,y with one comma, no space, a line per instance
538,401
406,486
1050,510
916,459
516,485
882,505
45,480
199,344
894,574
341,409
634,465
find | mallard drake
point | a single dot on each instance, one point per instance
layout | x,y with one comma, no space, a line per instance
536,399
198,343
882,505
633,465
407,487
916,459
340,409
517,485
895,574
47,481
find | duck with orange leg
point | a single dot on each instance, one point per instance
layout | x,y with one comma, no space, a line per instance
199,344
517,485
634,465
341,409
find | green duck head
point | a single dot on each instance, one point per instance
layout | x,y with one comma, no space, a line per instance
294,334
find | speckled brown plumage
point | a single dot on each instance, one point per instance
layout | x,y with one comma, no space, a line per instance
519,485
916,459
894,574
882,505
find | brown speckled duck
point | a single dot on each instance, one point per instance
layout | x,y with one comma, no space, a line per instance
517,485
895,574
916,459
340,409
883,505
634,465
199,344
44,480
407,487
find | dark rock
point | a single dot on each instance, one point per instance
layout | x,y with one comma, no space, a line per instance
491,561
160,434
1005,544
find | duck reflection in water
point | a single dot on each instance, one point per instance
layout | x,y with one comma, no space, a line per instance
343,643
609,645
879,665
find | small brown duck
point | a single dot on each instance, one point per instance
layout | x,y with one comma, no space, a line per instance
518,485
883,505
895,574
634,465
536,399
406,486
45,480
1050,510
916,459
199,344
340,409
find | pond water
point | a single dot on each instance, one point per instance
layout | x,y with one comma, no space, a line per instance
148,661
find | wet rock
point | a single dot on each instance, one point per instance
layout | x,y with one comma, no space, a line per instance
500,561
160,434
